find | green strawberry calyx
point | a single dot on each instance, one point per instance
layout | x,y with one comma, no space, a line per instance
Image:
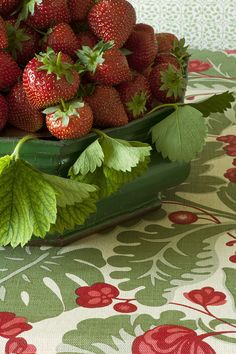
64,111
53,64
138,104
180,51
173,82
28,8
16,37
91,58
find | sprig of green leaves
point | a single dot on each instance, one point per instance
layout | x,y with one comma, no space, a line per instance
109,163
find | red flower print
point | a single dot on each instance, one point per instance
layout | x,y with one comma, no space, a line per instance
231,139
170,339
206,297
12,326
198,66
19,346
230,149
231,175
97,295
183,217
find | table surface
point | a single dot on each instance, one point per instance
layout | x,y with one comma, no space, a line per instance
163,284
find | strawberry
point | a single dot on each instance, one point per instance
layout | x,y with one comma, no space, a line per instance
62,39
143,46
167,83
22,115
112,20
135,96
165,42
9,71
79,9
43,14
107,64
3,112
169,58
48,78
107,107
72,120
8,6
23,42
3,34
86,39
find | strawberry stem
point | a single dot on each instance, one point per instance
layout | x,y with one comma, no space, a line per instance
58,63
173,105
16,153
63,105
99,133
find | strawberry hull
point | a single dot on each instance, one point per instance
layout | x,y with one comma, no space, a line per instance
132,200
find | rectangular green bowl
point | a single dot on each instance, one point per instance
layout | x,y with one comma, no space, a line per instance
135,198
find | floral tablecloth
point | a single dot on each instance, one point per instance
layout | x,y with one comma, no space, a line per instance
165,284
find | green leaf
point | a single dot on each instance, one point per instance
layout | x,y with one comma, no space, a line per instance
73,215
121,155
228,196
180,136
146,262
28,203
215,104
4,162
109,163
31,274
89,160
69,192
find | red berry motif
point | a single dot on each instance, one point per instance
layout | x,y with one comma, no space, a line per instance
231,139
97,295
231,175
19,346
183,217
233,258
230,150
231,243
234,162
198,66
125,307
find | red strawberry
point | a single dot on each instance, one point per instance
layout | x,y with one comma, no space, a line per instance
45,13
107,107
8,6
9,71
165,42
71,121
79,9
23,42
3,112
63,39
112,20
169,58
167,83
21,114
135,96
49,78
86,39
108,66
3,34
143,45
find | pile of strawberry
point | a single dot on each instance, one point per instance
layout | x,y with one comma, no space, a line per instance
76,64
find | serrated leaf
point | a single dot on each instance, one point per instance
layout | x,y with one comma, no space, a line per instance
69,192
217,103
4,162
89,160
73,215
121,155
28,204
180,136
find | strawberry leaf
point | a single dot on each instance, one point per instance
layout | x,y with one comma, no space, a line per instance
109,163
180,136
28,203
217,103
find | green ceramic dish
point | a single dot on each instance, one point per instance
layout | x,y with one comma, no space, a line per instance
139,196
